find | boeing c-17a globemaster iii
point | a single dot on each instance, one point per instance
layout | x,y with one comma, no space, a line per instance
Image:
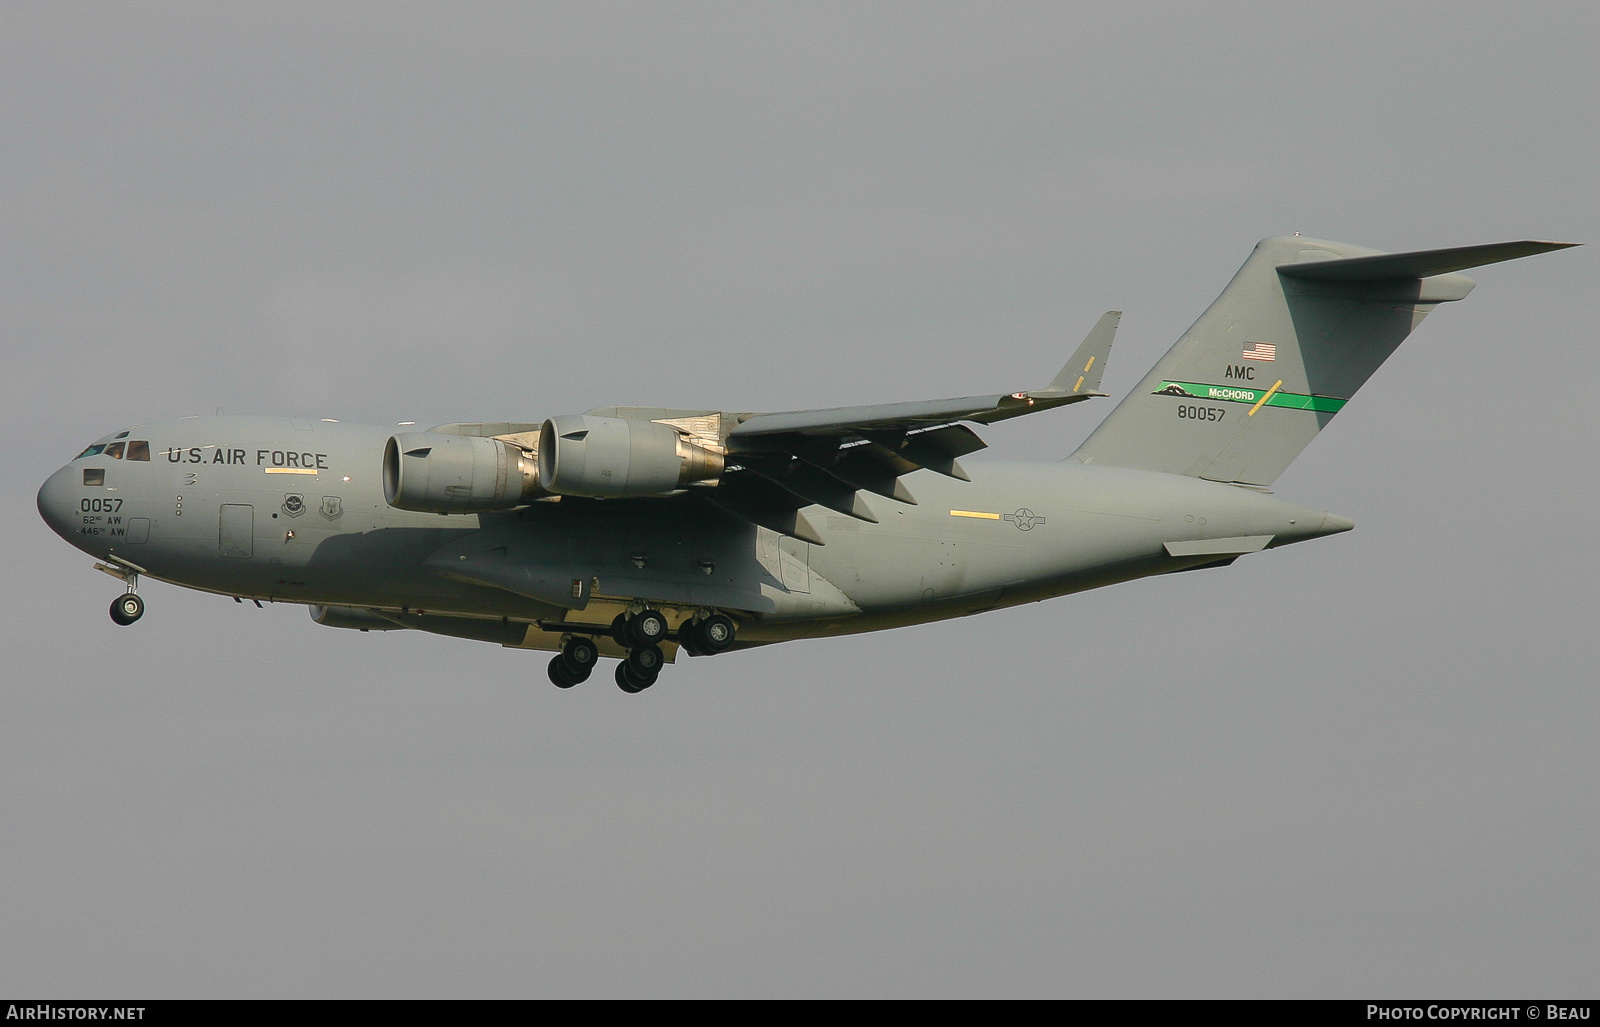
638,533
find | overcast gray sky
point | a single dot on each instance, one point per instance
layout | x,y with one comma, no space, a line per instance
1363,766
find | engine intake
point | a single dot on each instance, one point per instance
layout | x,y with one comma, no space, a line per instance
434,473
615,458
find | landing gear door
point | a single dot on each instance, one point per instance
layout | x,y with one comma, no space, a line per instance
236,529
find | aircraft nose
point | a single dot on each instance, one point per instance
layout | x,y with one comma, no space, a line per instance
56,498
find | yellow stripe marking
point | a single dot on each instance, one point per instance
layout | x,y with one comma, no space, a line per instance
1088,365
290,470
975,513
1078,386
1275,386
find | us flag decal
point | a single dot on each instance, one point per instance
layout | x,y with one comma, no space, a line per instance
1260,351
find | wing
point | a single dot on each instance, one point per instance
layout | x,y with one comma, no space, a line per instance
764,468
780,463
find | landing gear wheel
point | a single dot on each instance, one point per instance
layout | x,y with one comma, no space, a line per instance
645,661
714,634
619,630
647,629
581,655
629,682
574,663
561,674
127,609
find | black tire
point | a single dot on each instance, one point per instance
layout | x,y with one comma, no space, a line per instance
715,634
645,661
689,638
619,630
625,679
581,654
573,672
127,609
561,672
648,628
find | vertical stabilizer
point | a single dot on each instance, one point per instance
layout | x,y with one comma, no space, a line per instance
1299,329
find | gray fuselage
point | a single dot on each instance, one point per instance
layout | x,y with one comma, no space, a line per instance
289,510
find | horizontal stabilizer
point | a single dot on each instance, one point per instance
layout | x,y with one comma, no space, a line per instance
1420,264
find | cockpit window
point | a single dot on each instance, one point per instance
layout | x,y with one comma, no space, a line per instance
94,476
116,448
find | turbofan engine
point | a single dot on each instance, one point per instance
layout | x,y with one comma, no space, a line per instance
615,458
435,473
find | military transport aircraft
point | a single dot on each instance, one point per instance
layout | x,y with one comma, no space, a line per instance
637,533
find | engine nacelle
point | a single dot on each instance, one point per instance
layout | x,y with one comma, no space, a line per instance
435,473
615,458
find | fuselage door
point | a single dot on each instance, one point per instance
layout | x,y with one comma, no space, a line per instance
236,529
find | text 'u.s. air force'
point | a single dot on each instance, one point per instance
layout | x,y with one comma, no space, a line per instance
233,456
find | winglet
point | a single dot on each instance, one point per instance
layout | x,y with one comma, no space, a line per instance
1082,373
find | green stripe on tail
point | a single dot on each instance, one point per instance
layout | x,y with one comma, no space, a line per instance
1234,394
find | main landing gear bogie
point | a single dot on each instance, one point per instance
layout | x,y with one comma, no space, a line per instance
631,681
642,633
707,637
575,662
647,627
640,669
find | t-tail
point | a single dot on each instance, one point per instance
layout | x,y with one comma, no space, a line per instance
1299,329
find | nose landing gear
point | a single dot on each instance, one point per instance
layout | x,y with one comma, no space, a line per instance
128,607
